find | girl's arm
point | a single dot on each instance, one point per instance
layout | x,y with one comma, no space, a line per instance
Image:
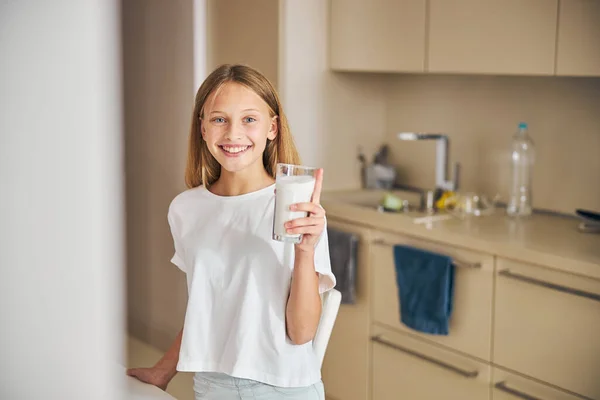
303,310
164,370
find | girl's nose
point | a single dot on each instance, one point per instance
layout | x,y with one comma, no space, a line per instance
235,130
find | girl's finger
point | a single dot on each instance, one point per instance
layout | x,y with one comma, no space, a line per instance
316,197
313,208
314,230
304,222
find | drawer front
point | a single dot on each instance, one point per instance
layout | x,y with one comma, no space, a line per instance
471,318
507,386
547,326
404,367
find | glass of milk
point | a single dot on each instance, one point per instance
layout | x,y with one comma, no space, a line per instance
293,184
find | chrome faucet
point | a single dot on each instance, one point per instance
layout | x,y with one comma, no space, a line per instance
441,158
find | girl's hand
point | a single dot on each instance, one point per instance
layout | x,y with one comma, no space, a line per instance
311,226
156,376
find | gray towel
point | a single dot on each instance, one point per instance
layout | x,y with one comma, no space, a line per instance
343,252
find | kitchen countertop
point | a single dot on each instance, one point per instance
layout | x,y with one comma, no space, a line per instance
542,239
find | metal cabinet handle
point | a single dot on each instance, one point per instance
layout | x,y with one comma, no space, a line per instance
502,386
467,374
458,263
565,289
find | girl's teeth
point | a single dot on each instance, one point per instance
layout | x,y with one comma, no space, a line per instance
235,149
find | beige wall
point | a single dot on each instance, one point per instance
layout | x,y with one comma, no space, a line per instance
330,114
480,114
158,100
242,31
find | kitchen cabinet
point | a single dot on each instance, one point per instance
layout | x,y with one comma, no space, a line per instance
546,326
345,369
377,35
525,321
504,37
508,386
492,37
407,368
578,52
471,320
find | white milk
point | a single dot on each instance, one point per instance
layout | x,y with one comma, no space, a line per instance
290,190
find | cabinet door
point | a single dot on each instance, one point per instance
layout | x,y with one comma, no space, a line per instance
471,320
507,386
407,368
547,324
345,368
578,50
493,36
377,35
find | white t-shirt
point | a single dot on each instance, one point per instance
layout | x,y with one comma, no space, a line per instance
238,282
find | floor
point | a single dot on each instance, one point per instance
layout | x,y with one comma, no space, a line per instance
140,354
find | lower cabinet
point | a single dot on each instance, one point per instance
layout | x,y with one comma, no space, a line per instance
518,331
547,326
345,369
507,386
407,368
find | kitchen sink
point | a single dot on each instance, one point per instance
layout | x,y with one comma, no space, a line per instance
371,198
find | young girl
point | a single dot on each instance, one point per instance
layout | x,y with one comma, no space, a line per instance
253,303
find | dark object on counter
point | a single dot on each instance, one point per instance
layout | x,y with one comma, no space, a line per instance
591,221
381,157
343,253
425,289
589,215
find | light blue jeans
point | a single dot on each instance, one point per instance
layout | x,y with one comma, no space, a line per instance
217,386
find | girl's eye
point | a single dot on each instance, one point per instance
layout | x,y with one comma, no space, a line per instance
219,120
249,119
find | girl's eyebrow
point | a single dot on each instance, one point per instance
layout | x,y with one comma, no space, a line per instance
222,112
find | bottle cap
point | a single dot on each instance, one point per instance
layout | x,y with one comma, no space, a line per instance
522,125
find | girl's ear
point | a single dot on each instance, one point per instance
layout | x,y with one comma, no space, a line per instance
274,128
202,130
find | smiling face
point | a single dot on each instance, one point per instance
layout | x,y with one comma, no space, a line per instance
236,124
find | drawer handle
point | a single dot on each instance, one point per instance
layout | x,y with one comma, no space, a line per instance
458,263
468,374
502,386
576,292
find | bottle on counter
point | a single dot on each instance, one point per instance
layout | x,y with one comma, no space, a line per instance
522,161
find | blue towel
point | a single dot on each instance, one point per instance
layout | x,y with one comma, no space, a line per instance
425,288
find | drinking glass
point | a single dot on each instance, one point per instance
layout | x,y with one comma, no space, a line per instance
293,184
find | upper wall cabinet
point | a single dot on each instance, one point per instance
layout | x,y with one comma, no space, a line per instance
504,37
578,52
493,36
378,35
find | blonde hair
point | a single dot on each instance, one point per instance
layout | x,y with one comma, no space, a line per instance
202,168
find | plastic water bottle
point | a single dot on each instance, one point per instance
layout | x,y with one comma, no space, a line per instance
522,160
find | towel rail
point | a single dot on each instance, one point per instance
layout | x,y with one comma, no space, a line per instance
457,263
